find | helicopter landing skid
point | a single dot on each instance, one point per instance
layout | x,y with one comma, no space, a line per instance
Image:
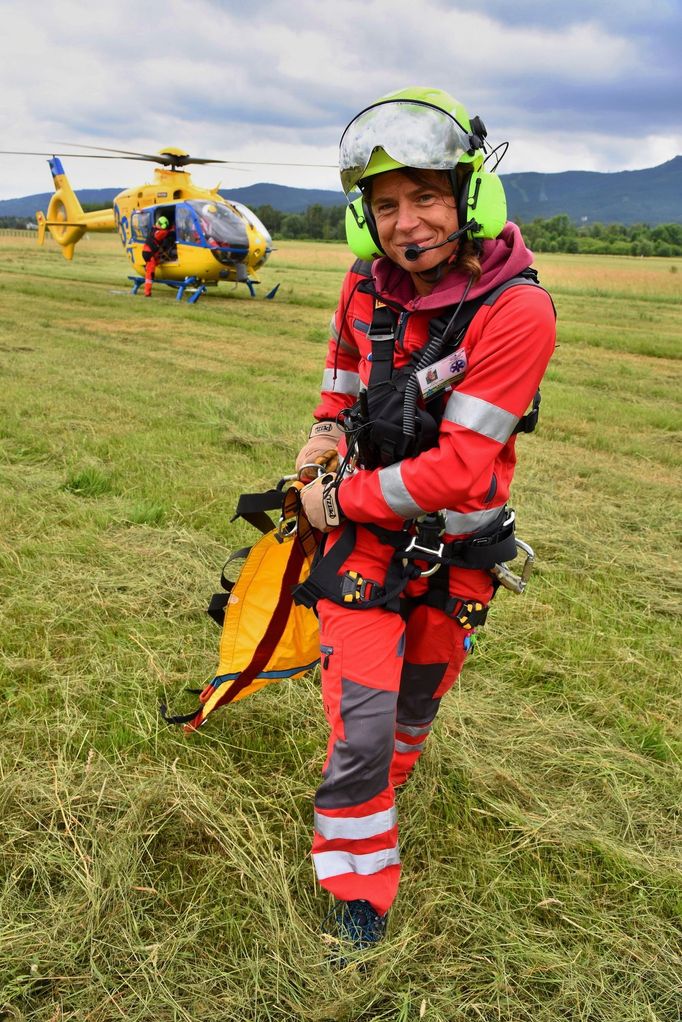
250,282
180,285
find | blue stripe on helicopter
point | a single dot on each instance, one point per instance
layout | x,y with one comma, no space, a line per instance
218,681
56,166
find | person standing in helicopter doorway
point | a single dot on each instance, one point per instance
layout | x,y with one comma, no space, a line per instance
439,342
158,248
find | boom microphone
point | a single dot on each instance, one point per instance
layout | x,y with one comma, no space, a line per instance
412,252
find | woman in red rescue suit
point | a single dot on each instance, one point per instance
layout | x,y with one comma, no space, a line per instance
449,265
158,248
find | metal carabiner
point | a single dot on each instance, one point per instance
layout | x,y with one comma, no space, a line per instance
320,469
507,578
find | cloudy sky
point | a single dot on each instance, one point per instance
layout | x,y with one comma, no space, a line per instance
571,84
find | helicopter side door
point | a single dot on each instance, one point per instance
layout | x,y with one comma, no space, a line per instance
142,222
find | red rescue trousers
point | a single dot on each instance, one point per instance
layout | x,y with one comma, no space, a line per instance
382,682
150,267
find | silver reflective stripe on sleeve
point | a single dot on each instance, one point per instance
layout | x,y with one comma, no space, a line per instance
396,494
343,344
480,416
334,864
406,729
346,383
458,523
404,747
354,828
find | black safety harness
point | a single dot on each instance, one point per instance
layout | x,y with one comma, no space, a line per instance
385,422
384,426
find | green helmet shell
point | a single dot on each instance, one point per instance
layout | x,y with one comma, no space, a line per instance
378,140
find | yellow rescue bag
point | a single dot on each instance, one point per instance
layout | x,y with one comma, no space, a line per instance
265,636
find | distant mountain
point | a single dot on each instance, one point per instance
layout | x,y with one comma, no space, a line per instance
283,198
28,205
652,196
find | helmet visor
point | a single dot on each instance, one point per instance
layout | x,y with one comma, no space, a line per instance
413,134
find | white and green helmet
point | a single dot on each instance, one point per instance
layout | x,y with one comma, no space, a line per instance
427,129
415,127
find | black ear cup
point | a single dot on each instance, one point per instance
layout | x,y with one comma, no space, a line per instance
371,223
460,186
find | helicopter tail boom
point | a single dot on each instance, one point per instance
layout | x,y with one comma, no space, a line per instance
66,220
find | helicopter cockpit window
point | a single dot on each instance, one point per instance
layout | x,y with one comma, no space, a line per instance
140,223
254,221
220,225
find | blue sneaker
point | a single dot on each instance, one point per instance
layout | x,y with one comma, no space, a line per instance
358,923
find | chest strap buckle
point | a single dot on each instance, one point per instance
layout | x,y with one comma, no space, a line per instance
426,544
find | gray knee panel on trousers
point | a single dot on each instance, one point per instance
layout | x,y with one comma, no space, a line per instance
359,765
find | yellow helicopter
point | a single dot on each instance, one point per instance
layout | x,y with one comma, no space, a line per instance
216,239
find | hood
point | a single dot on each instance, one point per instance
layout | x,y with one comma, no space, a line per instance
501,258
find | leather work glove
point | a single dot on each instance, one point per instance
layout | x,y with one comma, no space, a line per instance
320,449
320,503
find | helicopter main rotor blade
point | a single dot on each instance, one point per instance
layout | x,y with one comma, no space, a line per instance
108,149
81,156
172,159
183,160
280,163
166,159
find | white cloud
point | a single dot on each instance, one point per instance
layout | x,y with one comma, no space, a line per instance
275,82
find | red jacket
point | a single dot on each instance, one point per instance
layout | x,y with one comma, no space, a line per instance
160,242
508,346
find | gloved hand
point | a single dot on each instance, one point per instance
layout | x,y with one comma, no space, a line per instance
320,503
320,449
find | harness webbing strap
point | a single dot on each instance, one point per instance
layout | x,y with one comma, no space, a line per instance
252,507
324,582
218,602
529,421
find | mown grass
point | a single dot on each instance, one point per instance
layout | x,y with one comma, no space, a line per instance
150,876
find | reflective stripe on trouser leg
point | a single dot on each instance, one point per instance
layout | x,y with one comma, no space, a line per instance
355,846
434,655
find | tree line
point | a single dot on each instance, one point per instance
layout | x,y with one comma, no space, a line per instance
557,234
560,234
320,223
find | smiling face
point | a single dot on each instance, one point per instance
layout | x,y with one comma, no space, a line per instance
414,209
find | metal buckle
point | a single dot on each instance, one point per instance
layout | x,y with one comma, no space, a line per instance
507,578
429,551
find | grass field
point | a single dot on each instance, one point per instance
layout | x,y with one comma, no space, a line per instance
149,876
